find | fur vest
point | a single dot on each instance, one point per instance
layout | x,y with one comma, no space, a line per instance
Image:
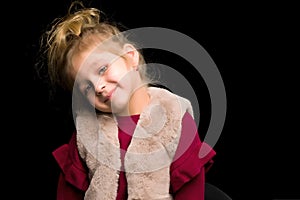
148,157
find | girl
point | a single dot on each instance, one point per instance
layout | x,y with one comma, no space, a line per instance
132,140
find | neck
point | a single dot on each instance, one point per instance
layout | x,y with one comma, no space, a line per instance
138,101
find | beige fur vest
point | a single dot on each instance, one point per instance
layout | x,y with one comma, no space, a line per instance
148,156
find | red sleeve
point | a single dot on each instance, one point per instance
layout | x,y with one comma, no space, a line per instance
73,178
189,166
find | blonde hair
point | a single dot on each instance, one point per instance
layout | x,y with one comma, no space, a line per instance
74,32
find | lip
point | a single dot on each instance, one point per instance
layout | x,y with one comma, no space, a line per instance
109,95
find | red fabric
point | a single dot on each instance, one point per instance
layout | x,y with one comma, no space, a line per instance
187,171
67,191
73,178
125,135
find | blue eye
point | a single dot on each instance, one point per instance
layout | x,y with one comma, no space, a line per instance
87,89
103,69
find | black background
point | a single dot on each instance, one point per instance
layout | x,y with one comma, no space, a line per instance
254,47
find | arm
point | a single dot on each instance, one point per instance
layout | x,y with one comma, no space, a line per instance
73,178
66,191
188,168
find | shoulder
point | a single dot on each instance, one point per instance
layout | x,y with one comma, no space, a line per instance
191,147
71,165
189,160
169,99
189,140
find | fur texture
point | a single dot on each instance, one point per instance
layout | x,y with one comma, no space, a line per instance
148,156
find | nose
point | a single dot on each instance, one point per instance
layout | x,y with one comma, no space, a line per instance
100,86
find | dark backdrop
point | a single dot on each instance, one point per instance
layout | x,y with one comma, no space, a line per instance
252,46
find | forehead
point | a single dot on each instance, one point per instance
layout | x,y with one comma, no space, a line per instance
89,61
95,49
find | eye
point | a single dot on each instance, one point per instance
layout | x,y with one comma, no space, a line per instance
103,69
87,88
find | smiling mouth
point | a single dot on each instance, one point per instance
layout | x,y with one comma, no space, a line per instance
107,98
109,95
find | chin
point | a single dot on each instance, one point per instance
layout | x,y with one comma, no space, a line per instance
102,109
119,106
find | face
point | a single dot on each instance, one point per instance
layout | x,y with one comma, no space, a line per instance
107,80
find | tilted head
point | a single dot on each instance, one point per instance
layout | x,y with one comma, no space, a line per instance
94,55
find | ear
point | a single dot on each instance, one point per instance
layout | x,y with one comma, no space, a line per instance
132,55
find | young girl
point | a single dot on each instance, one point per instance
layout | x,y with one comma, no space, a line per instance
132,140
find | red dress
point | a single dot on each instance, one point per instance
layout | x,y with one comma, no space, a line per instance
187,172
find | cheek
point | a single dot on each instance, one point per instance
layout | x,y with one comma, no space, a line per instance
91,100
94,102
118,70
117,75
120,100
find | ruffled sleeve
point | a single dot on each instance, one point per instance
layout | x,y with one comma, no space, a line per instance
190,164
73,178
